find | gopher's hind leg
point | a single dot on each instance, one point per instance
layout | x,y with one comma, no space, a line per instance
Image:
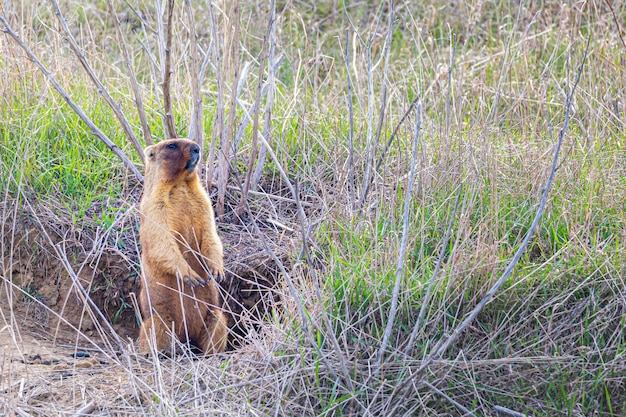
153,329
213,339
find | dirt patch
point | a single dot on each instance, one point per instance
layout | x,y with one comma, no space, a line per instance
77,286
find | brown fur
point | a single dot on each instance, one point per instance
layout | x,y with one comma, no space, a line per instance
181,253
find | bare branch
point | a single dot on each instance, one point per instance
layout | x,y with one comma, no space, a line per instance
372,142
269,102
218,124
388,145
508,412
426,300
167,73
616,20
257,102
141,111
117,110
224,153
246,122
351,182
77,109
403,244
451,400
196,132
449,95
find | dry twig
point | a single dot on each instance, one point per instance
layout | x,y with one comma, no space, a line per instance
196,132
167,71
403,244
257,102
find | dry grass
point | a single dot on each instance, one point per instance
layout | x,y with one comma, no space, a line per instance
331,243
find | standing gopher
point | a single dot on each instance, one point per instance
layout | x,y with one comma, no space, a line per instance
181,253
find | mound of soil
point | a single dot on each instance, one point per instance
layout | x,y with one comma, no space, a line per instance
67,283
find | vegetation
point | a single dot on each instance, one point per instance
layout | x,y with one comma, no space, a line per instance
471,99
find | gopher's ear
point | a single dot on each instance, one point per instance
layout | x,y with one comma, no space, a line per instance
149,152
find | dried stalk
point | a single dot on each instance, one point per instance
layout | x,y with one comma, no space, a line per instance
392,137
403,244
449,95
351,182
86,410
196,132
616,20
372,141
117,110
224,153
167,74
256,106
154,66
451,400
246,122
445,344
269,102
508,412
218,125
77,109
383,104
141,111
426,300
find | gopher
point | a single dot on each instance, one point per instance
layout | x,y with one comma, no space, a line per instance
181,256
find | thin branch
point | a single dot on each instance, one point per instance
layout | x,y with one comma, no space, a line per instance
218,122
167,74
449,95
619,28
205,62
141,111
224,153
117,110
451,400
426,300
153,66
445,344
196,132
257,102
393,135
351,182
77,109
246,122
508,412
86,410
403,244
269,102
372,141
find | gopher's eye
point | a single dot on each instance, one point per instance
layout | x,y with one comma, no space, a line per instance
171,146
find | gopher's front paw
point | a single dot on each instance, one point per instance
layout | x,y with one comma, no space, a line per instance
195,280
217,273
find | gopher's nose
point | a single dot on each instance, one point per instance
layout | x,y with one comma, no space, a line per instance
194,153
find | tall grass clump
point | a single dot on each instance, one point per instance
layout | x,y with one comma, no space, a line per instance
439,186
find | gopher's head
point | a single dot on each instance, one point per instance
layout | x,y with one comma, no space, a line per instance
172,160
